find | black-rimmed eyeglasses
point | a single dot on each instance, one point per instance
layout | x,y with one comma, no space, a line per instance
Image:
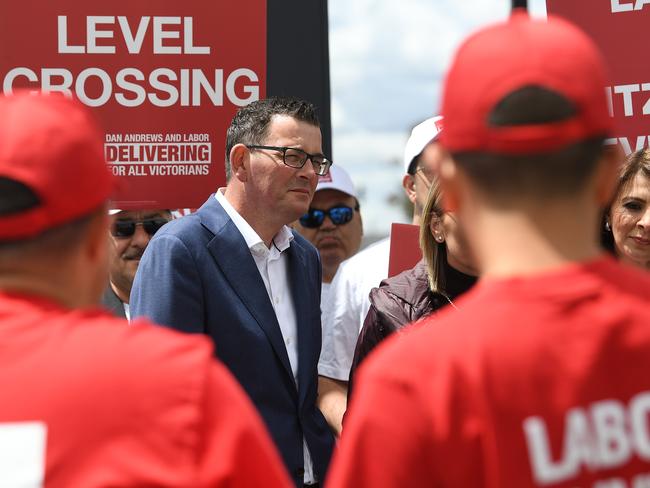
296,158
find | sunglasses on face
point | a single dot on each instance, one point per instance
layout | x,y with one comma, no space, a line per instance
126,228
339,215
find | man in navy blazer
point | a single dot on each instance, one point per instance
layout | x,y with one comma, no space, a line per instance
235,271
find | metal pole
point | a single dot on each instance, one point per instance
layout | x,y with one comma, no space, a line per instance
519,4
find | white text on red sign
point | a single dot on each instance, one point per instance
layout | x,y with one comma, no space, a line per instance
131,86
103,27
628,5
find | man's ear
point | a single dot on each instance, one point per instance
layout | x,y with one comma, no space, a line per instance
607,173
408,182
239,158
98,239
449,177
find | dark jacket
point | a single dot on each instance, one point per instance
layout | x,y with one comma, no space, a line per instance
198,275
112,302
398,301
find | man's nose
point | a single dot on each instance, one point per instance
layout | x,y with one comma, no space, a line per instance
328,224
308,171
140,237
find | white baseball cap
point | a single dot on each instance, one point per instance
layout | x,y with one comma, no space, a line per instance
337,179
421,135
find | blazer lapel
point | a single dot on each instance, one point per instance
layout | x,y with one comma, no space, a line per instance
230,252
300,283
112,302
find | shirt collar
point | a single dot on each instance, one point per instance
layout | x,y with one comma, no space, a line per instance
254,242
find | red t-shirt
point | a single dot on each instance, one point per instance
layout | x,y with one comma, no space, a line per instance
87,401
536,381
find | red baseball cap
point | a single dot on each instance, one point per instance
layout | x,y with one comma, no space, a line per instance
50,144
522,52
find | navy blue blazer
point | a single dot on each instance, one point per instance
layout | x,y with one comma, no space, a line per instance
197,275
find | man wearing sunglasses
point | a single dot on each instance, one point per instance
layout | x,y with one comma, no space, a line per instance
130,233
333,223
234,270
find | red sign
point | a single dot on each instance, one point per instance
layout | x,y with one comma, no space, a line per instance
619,29
405,249
164,78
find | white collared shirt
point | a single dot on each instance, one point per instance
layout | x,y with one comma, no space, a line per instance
273,266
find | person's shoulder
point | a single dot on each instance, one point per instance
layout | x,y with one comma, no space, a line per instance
368,265
140,352
376,251
408,286
186,225
303,244
615,283
417,349
632,281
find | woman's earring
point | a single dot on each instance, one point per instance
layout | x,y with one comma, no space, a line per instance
608,227
439,238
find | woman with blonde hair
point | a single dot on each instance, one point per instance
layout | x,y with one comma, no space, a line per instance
626,229
445,271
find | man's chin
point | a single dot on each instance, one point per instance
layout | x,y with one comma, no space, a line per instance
331,253
130,269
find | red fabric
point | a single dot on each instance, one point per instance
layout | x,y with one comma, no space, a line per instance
521,52
127,405
446,404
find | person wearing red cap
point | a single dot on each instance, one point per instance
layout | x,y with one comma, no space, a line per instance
538,379
87,402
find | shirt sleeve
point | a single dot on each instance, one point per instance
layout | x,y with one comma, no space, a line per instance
340,322
235,449
384,442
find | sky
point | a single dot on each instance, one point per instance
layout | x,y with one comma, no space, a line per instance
387,61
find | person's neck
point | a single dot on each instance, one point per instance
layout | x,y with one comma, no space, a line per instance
263,223
123,295
328,274
50,289
528,241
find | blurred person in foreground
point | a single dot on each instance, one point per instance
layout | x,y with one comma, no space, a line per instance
333,223
235,271
130,232
87,402
445,272
627,220
539,378
347,303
